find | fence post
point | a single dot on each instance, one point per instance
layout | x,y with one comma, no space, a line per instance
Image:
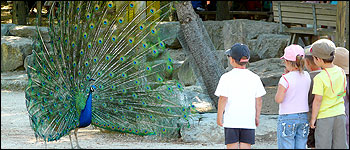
340,24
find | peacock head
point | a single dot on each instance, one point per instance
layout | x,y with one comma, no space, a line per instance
92,87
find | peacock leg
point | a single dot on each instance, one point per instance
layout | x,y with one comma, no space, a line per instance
70,139
76,137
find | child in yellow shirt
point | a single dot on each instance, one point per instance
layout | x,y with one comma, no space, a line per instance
328,105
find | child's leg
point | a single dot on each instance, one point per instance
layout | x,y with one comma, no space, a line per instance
244,145
246,138
231,137
339,133
232,146
286,129
302,132
323,133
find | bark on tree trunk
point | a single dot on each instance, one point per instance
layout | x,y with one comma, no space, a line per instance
20,12
196,42
222,11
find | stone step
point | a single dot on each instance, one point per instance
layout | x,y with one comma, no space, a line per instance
14,81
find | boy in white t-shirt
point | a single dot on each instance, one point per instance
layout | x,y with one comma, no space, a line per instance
239,106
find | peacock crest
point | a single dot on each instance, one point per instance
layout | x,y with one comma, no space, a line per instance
105,65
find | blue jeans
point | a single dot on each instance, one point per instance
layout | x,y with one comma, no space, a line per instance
292,131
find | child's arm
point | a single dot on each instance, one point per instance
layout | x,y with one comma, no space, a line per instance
315,108
280,94
258,105
221,107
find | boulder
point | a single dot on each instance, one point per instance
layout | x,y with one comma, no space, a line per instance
5,28
200,99
269,70
269,106
14,81
203,129
13,51
169,31
270,45
214,29
263,44
21,44
30,32
186,74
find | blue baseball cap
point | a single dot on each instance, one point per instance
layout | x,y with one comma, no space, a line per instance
238,51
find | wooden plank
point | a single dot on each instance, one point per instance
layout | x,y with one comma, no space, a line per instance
303,30
306,10
263,13
306,16
303,4
305,21
340,24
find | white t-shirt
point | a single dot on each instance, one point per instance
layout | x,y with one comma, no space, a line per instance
241,87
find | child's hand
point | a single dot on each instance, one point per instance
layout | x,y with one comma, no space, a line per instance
312,123
257,121
219,121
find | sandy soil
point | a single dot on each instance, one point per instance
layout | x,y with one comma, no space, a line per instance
17,133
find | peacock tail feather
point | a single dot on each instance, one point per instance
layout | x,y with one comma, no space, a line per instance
113,48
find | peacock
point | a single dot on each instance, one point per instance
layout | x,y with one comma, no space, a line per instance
105,65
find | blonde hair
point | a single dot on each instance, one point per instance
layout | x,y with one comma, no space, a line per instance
299,63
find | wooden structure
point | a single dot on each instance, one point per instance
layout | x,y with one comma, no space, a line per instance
326,19
212,14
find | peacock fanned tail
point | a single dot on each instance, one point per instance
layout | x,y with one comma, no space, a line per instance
115,48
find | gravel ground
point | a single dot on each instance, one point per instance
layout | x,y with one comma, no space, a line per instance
16,133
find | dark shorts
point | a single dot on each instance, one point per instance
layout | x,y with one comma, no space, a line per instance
234,135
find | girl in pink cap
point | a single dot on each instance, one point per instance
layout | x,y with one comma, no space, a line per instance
292,96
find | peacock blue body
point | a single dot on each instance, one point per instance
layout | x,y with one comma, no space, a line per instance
114,50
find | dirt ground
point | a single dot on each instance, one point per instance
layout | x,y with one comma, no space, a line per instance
16,133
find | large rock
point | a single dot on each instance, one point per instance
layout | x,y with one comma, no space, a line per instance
269,70
169,31
214,29
200,99
30,32
14,81
203,129
270,45
269,106
266,43
186,73
13,51
5,28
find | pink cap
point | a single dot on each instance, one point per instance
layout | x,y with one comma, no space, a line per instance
292,51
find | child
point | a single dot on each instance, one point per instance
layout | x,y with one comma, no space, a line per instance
341,59
240,92
292,96
313,71
328,105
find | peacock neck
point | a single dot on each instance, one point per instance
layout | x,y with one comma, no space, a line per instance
85,115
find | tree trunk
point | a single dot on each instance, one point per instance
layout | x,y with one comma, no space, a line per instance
222,11
20,13
39,8
196,42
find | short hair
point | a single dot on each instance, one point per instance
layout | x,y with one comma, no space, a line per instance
241,63
310,59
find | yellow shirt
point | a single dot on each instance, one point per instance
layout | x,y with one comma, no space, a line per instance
332,105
